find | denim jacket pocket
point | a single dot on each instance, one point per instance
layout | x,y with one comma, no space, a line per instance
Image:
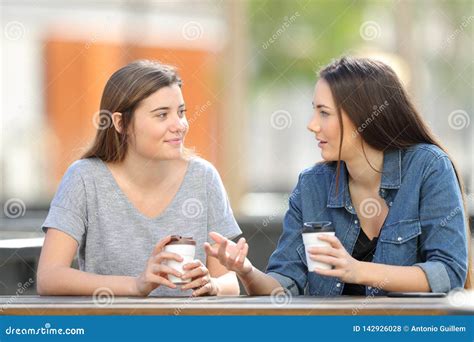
399,242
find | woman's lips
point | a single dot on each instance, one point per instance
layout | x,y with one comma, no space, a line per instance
176,141
321,143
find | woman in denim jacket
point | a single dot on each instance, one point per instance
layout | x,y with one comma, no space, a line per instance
387,185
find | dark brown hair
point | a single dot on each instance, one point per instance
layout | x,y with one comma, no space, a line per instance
373,98
124,91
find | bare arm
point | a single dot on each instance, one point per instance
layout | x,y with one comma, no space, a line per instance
382,276
56,277
393,278
225,280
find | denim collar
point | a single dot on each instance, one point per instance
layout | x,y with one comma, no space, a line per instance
391,179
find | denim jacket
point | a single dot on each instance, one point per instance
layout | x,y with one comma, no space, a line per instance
425,225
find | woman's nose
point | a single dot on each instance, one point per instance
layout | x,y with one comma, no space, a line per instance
179,124
313,126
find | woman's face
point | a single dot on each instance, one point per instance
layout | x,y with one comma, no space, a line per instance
160,125
325,125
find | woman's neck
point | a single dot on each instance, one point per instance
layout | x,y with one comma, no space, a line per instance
361,167
146,174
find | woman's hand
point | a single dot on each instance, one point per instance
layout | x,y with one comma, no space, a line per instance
156,272
345,267
232,256
201,281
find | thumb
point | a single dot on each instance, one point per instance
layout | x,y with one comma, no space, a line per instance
209,250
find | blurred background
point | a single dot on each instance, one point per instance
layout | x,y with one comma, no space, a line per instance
249,69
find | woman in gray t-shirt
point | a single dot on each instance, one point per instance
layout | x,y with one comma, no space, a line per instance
137,185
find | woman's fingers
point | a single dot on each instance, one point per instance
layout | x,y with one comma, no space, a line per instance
243,254
329,273
221,252
160,257
333,241
192,265
154,278
161,244
210,251
326,259
323,251
218,238
197,272
236,250
206,289
161,268
201,281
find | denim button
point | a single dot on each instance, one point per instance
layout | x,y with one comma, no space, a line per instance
369,287
355,221
390,204
399,238
349,207
338,285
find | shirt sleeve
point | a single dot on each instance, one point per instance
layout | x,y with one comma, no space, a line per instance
443,243
285,264
67,212
220,217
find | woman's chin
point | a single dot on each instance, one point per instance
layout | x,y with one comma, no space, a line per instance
328,157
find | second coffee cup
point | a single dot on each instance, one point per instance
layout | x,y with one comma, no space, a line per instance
311,232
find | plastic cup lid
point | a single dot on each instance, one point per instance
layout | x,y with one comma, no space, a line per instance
318,227
181,240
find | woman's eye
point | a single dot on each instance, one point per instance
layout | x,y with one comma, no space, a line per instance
182,112
161,115
323,113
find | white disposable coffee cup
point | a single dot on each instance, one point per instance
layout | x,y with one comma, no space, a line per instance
311,233
186,248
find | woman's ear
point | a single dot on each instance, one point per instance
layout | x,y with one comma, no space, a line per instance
117,121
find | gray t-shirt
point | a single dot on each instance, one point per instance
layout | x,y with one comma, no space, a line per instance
115,238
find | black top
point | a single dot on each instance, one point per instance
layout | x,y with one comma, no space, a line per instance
364,250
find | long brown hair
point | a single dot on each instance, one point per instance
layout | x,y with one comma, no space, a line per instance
373,98
123,93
